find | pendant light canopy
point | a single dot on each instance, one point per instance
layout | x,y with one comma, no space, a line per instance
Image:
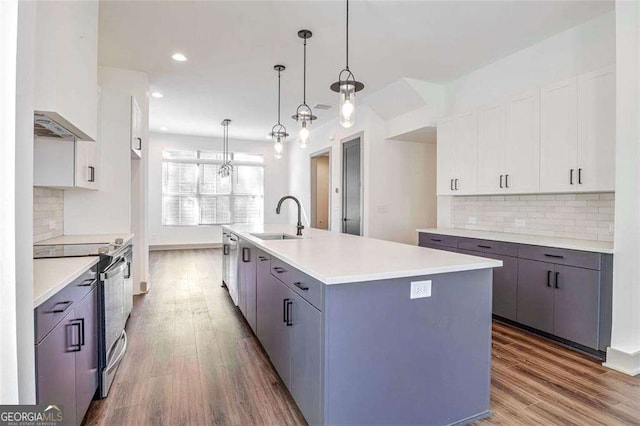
226,168
303,114
346,87
278,132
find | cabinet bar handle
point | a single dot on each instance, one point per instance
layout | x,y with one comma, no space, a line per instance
483,246
557,277
554,256
74,347
285,310
301,286
501,181
451,184
571,177
88,282
246,255
279,270
225,249
92,174
548,278
139,148
506,181
456,184
262,258
580,176
66,304
289,304
437,240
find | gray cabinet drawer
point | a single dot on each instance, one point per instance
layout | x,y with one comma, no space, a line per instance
51,312
437,247
581,259
437,240
309,288
488,246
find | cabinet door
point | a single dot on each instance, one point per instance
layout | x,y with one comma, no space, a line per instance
559,137
597,130
445,156
247,282
136,129
465,154
86,165
535,294
491,149
522,147
54,162
505,284
306,358
576,302
56,367
273,332
87,358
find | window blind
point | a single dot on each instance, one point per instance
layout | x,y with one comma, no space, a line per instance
194,194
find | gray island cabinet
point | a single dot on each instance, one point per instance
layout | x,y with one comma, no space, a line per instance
363,351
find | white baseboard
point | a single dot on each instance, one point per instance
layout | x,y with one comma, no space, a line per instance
627,363
184,246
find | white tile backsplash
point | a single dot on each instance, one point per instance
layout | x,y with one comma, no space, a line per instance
580,216
48,213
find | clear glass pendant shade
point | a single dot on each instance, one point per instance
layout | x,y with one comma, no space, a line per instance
278,148
304,135
347,104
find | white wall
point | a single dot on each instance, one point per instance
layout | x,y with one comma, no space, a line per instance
398,182
624,353
9,349
275,186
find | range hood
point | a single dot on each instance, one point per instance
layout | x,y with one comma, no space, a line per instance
53,125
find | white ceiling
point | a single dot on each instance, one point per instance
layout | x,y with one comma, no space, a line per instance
232,46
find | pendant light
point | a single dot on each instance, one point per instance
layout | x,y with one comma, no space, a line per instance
278,132
346,87
303,114
226,168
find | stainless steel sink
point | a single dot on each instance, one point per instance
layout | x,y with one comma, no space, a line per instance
276,236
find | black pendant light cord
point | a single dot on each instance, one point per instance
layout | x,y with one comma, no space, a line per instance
347,61
304,74
278,97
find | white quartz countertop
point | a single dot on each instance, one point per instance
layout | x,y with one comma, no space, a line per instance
86,239
535,240
335,258
52,275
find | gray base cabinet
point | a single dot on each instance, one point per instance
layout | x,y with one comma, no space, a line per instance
247,285
67,356
564,293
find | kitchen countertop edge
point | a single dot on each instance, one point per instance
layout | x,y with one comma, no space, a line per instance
62,279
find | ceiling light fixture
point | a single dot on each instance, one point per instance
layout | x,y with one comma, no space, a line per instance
226,168
303,113
179,57
164,129
278,132
157,95
346,87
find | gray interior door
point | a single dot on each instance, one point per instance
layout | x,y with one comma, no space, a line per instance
351,189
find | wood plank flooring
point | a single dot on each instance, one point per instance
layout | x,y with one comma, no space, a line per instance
193,360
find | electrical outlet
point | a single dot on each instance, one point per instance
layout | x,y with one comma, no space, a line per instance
420,289
472,220
52,224
520,223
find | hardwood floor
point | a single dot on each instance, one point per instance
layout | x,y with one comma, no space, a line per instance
193,360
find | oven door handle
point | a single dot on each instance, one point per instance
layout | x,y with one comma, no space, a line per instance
117,360
115,270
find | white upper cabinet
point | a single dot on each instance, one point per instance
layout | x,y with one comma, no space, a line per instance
466,154
456,152
86,167
445,156
491,149
596,130
136,130
66,70
522,144
65,164
559,137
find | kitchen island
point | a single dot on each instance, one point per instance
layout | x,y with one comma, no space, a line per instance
368,331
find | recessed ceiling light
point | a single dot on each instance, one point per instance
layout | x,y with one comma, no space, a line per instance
164,129
157,95
179,57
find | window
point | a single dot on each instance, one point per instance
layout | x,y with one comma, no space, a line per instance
194,194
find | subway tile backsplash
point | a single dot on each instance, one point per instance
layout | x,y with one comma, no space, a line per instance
48,213
580,216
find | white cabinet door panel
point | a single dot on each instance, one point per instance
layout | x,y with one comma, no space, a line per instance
491,149
597,130
522,147
559,137
445,156
466,154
